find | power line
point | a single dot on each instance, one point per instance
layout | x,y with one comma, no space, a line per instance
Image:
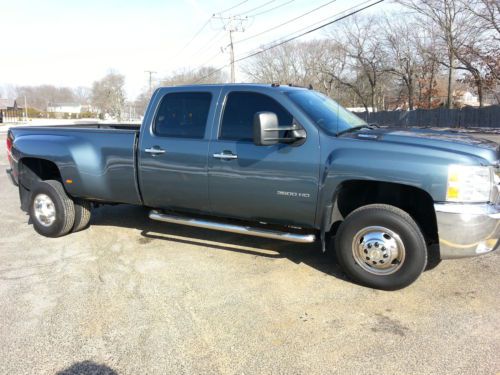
234,6
292,38
196,34
208,45
231,44
271,9
311,25
211,58
207,22
277,44
258,7
232,24
286,22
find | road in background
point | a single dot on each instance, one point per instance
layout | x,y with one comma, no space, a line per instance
139,297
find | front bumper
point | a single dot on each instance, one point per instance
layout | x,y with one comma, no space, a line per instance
467,230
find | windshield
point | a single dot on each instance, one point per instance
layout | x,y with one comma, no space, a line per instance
325,112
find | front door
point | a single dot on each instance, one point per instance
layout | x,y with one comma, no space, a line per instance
173,151
278,183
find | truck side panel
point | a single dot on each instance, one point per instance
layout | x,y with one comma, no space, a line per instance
94,164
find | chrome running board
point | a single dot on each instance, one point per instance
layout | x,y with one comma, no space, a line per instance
250,231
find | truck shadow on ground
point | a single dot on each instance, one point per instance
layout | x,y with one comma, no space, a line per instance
87,368
136,217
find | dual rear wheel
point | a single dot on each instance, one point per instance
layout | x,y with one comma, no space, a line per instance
53,213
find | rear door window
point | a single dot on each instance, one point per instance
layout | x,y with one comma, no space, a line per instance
183,115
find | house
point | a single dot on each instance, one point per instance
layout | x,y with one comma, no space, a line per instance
73,108
464,98
360,109
9,110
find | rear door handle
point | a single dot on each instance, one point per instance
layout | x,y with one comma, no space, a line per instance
154,150
225,156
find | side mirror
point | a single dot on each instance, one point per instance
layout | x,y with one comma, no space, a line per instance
266,130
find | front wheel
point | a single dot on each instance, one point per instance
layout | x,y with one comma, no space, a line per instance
381,246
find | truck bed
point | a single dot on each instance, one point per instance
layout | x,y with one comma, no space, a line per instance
92,125
96,161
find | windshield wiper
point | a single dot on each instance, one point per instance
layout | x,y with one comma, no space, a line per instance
356,128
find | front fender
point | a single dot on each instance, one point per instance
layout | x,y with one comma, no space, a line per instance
354,159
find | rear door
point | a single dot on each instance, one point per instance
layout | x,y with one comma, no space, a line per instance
277,183
173,149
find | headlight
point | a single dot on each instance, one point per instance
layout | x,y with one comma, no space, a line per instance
469,183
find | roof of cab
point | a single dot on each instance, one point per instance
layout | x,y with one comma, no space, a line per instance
281,87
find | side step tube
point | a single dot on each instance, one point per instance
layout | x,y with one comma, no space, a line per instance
259,232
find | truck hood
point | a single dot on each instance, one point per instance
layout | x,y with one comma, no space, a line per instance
444,140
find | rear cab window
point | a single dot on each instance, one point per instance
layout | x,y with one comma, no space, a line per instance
183,115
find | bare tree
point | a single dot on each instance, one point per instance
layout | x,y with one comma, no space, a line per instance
38,97
108,95
361,58
203,75
403,59
480,54
455,24
488,11
82,94
284,64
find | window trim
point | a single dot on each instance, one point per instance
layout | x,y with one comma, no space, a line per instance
223,110
160,102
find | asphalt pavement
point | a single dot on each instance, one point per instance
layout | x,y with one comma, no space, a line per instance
132,296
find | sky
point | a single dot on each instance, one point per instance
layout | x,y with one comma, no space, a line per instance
76,42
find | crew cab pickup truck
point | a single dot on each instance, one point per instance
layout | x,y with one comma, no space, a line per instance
273,161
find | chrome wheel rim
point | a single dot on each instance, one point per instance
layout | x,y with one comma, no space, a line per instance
378,250
44,209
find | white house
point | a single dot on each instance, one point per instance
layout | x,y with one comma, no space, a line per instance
64,108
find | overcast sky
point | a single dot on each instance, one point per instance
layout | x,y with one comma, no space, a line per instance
75,42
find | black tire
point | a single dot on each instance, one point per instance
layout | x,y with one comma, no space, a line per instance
82,214
404,271
64,217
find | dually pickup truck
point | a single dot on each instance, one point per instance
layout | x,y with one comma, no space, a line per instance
274,161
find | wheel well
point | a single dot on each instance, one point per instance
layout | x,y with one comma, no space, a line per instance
416,202
33,170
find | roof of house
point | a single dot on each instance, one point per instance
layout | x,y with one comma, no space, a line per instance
7,103
63,105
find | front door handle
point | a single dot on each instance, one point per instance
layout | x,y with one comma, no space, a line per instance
225,156
155,151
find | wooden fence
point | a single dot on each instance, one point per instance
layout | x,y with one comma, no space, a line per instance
468,117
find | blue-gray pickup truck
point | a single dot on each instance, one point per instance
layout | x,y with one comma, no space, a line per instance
274,161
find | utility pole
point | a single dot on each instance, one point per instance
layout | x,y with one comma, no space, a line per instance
25,109
150,72
232,24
